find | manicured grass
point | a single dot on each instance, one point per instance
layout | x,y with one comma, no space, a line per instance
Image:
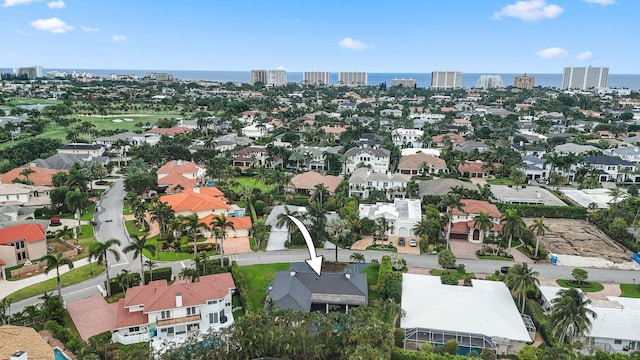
72,277
166,256
31,101
500,181
630,290
492,257
253,183
69,324
88,212
372,272
87,232
258,276
382,248
589,286
460,276
126,210
132,229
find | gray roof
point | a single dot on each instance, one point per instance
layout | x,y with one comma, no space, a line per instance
441,187
65,161
532,159
81,146
128,136
377,152
363,175
239,140
469,145
298,290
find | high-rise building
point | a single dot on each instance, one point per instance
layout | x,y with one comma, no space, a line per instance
277,77
489,82
258,76
446,80
353,78
316,78
407,83
524,82
32,72
159,76
584,78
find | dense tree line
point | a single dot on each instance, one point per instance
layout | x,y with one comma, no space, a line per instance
27,150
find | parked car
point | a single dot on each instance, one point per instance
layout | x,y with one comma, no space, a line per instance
505,269
413,242
401,241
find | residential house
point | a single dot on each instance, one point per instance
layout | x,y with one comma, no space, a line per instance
306,291
481,316
64,161
257,130
612,168
22,242
441,187
529,149
40,176
407,138
428,151
241,225
376,159
24,195
254,155
391,112
463,226
363,181
369,140
334,131
14,215
445,140
23,343
402,215
531,195
469,146
318,155
534,168
422,164
179,172
170,132
132,139
200,200
159,312
474,169
305,183
631,154
571,148
94,150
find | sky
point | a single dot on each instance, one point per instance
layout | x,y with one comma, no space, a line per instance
407,36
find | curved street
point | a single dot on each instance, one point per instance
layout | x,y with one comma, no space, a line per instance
111,225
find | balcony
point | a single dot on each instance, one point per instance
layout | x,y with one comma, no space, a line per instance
180,320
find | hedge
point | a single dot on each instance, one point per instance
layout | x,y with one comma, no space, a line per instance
384,272
242,287
299,200
158,274
536,211
117,288
188,248
627,239
401,354
542,323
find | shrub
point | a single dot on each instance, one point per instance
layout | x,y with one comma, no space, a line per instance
384,272
461,269
451,347
448,279
158,274
526,210
242,287
397,262
57,330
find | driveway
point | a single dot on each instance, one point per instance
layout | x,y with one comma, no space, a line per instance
92,316
463,249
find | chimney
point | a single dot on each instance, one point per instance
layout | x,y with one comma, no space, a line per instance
19,355
196,189
178,299
292,273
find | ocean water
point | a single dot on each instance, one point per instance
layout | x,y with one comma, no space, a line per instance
629,81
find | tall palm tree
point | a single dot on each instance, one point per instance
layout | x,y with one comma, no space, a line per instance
320,193
512,225
283,219
357,257
422,229
221,223
150,264
570,315
162,213
538,228
137,246
26,172
103,250
520,279
484,222
450,202
76,200
55,262
193,224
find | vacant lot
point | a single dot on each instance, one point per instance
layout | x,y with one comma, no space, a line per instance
578,237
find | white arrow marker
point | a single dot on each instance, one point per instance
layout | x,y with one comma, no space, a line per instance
315,261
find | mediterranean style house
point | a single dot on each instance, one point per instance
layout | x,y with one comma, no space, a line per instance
462,223
20,243
160,312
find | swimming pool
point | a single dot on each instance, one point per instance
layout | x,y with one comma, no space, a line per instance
59,355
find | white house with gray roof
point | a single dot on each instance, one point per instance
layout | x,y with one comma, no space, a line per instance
318,155
571,148
402,215
631,154
363,180
375,159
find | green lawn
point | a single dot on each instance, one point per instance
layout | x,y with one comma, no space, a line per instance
630,290
258,276
87,232
167,256
126,210
589,286
253,183
87,214
500,181
31,101
72,277
132,229
460,276
372,272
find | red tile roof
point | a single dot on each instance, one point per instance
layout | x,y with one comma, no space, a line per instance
239,222
29,232
208,198
126,318
40,176
172,180
463,227
455,138
179,167
170,131
472,167
310,179
473,207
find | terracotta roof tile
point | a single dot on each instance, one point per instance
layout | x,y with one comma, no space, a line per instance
471,207
40,176
189,200
126,318
414,161
455,138
170,131
179,167
29,232
310,179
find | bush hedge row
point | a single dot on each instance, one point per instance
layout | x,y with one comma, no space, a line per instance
527,210
242,286
384,272
158,274
401,354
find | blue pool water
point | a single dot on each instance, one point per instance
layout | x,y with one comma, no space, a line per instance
59,355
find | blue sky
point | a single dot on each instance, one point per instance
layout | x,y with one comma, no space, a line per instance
475,36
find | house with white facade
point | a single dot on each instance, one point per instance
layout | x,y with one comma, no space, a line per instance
375,159
363,181
631,154
159,312
180,172
318,155
422,164
94,150
257,130
612,168
407,138
402,215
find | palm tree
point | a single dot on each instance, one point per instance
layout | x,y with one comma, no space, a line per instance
137,246
484,222
451,202
615,194
422,229
54,262
221,223
76,201
93,254
283,219
538,228
192,225
512,225
102,251
320,192
520,279
570,315
26,172
150,264
357,257
162,213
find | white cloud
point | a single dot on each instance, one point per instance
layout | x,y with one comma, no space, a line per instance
52,25
9,3
531,10
118,38
552,53
88,29
59,4
586,55
601,2
353,44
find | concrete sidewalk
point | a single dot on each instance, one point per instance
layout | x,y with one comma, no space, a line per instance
9,287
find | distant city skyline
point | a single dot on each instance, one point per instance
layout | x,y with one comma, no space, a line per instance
491,37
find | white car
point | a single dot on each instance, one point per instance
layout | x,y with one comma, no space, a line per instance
413,243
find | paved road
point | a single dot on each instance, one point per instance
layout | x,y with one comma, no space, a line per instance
110,208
